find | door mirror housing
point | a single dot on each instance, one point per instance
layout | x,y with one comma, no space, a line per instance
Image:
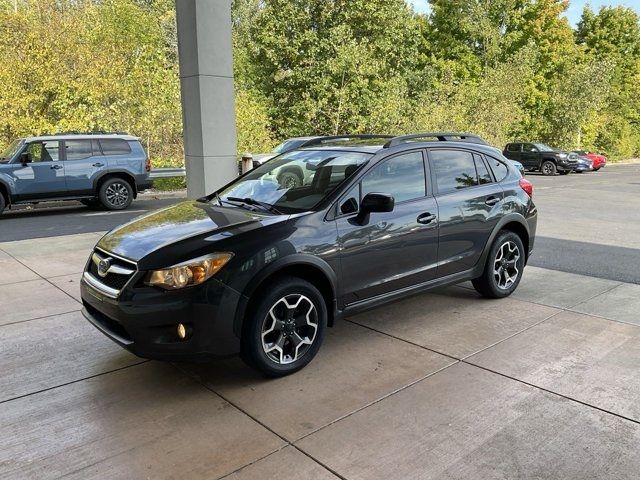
377,202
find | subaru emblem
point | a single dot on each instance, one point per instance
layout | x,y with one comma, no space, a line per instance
104,266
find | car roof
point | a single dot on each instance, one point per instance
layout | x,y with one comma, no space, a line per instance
74,136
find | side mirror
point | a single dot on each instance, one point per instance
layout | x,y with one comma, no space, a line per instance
25,158
377,202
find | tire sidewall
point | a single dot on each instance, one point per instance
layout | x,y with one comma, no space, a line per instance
3,203
103,194
553,168
501,240
288,174
252,350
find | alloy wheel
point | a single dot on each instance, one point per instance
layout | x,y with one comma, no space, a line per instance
289,329
117,194
547,168
505,265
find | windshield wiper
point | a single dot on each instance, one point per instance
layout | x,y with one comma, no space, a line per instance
250,201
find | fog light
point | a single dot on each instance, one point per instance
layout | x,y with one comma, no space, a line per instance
182,331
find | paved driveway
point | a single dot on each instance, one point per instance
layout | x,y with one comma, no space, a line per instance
545,384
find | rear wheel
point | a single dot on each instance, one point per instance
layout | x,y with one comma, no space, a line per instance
548,168
504,267
116,194
3,203
285,330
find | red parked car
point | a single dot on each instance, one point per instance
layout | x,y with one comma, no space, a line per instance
598,160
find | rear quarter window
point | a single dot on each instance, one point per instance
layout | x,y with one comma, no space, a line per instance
500,170
115,146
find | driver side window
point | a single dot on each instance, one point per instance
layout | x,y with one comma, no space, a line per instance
43,151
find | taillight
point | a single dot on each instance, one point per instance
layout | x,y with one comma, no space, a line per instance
527,186
147,165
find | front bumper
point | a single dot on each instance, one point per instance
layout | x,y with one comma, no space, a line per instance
144,320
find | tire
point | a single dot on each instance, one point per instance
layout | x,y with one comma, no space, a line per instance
507,247
596,169
289,180
548,168
115,194
279,349
3,203
566,172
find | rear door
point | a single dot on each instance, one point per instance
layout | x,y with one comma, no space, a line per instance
469,205
44,175
392,250
513,151
83,164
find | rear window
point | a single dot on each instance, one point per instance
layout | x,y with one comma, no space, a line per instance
79,149
115,146
454,170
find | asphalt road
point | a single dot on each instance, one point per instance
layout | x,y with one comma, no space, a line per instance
588,223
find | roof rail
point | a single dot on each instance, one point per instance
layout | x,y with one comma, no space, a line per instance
438,136
330,138
95,132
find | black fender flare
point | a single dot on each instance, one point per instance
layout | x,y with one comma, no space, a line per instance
294,260
507,219
4,186
115,173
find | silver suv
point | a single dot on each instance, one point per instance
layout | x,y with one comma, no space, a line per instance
99,169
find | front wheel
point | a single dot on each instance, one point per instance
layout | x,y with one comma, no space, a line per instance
285,330
116,194
548,168
2,203
503,270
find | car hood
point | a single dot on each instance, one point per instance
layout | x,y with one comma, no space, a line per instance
176,224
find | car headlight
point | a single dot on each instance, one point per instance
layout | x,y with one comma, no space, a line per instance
562,155
188,274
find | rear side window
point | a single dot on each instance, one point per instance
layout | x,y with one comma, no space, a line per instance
483,173
454,170
115,146
402,176
78,149
500,170
513,147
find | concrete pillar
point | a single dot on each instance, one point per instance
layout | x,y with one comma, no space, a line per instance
206,83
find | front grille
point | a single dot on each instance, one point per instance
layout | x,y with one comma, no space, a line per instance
119,272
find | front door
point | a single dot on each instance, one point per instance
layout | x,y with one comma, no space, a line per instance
393,250
470,204
42,176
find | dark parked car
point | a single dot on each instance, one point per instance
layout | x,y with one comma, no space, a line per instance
262,269
583,163
98,169
541,157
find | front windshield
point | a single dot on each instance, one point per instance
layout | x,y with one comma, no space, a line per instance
296,181
544,148
11,150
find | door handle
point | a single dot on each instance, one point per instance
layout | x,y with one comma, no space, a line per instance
56,167
491,201
426,218
98,164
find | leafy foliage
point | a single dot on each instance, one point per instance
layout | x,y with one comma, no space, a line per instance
504,69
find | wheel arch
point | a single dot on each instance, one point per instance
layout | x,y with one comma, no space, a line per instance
293,169
513,223
5,192
97,183
312,269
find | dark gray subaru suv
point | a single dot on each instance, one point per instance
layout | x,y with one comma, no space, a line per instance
262,268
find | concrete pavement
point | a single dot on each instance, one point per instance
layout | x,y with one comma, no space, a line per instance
545,384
